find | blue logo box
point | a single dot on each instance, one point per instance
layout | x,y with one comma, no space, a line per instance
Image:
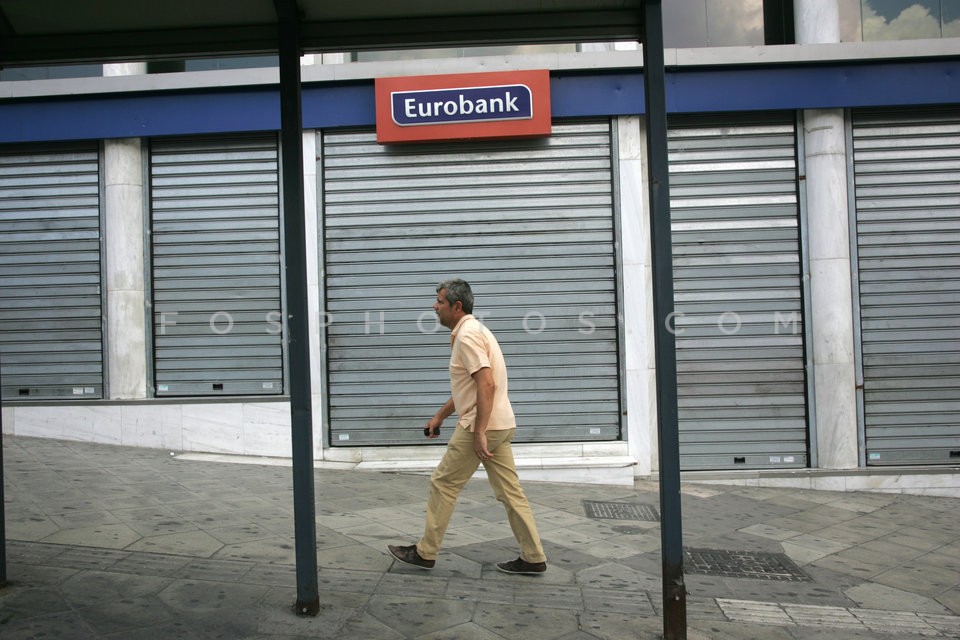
469,104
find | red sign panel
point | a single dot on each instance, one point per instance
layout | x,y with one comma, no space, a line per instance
498,104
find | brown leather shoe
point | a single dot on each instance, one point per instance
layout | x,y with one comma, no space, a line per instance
409,555
523,567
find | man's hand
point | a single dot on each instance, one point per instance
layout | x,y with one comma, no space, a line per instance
432,430
480,446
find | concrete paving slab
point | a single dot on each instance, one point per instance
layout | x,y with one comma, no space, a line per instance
882,597
951,600
195,542
895,622
412,617
528,622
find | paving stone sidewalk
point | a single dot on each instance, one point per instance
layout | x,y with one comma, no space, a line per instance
118,542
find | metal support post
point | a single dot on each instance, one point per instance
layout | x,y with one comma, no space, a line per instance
671,524
295,265
3,513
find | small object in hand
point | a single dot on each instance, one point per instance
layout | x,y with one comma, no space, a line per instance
428,432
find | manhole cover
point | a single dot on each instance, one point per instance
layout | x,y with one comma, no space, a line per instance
743,564
620,511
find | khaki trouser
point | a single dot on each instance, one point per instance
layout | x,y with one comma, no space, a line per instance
451,475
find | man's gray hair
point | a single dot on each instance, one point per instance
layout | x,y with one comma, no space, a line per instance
457,290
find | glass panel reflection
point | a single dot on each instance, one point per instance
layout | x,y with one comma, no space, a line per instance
684,24
850,27
712,23
734,22
950,19
900,19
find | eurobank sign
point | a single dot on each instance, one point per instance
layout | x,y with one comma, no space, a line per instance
499,104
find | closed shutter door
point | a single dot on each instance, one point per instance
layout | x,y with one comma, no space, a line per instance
529,224
51,316
907,176
736,247
216,266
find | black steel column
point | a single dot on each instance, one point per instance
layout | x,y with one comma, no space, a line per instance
3,520
295,266
3,513
671,524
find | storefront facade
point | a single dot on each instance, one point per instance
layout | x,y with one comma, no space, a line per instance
814,214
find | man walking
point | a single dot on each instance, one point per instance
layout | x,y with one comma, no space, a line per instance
485,428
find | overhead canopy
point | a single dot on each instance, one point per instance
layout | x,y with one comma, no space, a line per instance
67,31
70,31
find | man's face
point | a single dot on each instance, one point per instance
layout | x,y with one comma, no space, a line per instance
444,310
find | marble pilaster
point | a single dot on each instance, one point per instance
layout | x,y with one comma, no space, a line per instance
314,286
637,302
126,311
828,222
831,304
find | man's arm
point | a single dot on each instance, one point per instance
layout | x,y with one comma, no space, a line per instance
432,430
485,390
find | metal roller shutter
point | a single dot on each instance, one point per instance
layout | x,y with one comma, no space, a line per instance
528,223
736,247
906,168
51,314
216,266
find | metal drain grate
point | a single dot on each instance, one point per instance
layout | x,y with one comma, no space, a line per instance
744,564
620,511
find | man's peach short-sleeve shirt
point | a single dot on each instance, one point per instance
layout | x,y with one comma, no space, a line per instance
473,347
